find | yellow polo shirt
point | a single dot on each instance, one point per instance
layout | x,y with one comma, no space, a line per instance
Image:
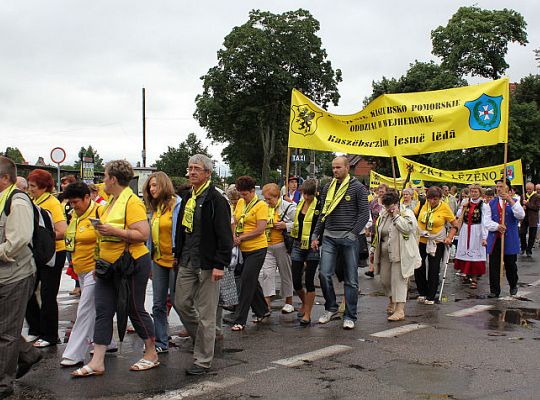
276,235
258,212
165,239
56,209
85,246
111,251
441,216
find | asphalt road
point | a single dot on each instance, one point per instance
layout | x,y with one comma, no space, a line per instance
468,347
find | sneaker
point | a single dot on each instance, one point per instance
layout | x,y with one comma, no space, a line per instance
421,299
287,309
327,317
160,349
513,291
429,302
348,324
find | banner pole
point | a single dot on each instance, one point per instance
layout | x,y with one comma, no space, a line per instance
503,215
287,168
394,173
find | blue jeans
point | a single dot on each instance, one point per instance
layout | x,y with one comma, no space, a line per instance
327,267
163,283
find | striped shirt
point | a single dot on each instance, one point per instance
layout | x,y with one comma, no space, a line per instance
350,215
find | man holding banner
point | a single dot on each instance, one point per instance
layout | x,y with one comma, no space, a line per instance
344,215
531,204
513,212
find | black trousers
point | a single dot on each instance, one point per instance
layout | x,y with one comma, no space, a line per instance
298,271
527,245
106,296
510,266
43,321
251,293
427,287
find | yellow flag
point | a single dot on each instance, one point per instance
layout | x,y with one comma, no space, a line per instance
406,123
375,179
484,176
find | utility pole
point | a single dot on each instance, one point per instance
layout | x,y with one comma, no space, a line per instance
143,128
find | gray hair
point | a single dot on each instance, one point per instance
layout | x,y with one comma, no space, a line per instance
408,190
203,160
22,184
232,193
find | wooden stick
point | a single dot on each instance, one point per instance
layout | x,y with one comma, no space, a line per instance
503,214
287,171
394,173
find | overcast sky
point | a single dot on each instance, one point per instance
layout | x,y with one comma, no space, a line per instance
72,71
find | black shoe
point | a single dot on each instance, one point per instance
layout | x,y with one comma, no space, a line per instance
513,291
369,273
493,295
529,254
24,367
197,370
522,252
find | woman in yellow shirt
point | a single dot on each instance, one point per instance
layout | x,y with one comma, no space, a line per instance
81,243
251,216
122,226
43,321
433,216
164,206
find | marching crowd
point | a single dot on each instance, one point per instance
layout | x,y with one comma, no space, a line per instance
205,251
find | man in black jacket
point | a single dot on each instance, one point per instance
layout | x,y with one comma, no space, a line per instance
203,249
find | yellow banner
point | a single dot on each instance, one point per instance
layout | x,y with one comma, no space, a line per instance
484,176
406,123
375,179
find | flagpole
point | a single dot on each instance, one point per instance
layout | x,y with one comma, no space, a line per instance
394,173
287,168
503,214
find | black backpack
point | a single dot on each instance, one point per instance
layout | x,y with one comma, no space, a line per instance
43,244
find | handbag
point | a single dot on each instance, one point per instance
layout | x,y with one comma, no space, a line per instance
104,269
228,293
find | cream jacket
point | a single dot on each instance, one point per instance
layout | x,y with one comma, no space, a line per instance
402,242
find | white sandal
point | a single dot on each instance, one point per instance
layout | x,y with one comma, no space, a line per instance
143,364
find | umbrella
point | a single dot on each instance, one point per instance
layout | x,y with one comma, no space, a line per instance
124,267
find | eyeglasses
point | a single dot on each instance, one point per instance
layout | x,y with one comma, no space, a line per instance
195,168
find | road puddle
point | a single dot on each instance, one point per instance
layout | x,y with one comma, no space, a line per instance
519,316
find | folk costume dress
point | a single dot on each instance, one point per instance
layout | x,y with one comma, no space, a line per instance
470,254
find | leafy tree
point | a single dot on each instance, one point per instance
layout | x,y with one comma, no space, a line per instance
174,161
14,154
246,96
475,41
89,152
537,56
528,89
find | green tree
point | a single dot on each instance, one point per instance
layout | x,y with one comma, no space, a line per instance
174,161
246,96
89,152
14,154
475,41
528,89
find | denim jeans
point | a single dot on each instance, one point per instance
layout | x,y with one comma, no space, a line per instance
349,249
163,283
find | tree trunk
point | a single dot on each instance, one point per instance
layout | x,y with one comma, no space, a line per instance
268,138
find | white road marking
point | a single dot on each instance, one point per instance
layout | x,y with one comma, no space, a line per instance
400,330
298,360
262,371
519,294
198,389
470,311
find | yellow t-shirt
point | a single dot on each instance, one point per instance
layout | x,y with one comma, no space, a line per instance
441,216
111,251
276,235
85,245
258,212
56,209
165,239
